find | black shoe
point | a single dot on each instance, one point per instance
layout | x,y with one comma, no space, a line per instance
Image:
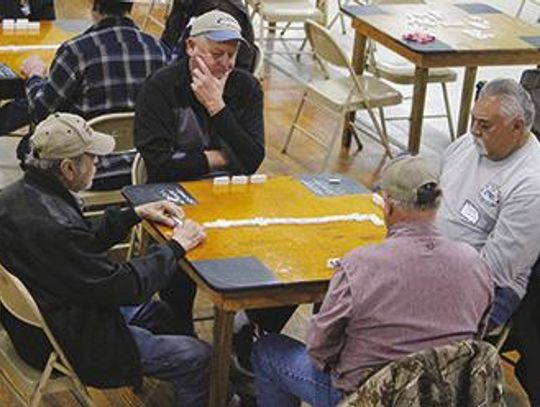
242,345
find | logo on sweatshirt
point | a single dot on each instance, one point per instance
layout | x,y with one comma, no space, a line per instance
490,195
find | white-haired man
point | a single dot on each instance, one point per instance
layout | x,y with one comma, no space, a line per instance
491,180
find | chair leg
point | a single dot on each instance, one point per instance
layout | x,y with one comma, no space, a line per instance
448,111
38,391
337,132
383,136
81,394
293,125
520,9
383,120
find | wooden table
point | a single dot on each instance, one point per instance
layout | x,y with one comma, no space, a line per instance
514,42
16,45
296,255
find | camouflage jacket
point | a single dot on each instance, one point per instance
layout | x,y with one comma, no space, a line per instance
464,374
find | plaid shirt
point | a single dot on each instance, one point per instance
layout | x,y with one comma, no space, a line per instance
97,72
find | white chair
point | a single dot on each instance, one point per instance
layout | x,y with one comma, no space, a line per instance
339,14
289,13
29,384
522,5
402,73
341,93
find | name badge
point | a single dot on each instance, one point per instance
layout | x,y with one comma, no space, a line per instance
469,212
490,195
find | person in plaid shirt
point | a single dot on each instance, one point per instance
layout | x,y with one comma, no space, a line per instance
100,71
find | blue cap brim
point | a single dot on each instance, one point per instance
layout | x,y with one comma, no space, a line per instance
224,35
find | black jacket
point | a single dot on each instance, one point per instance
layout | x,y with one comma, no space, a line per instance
172,129
61,258
39,9
184,10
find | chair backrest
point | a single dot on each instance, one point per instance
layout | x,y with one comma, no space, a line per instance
466,373
118,125
325,48
138,171
18,301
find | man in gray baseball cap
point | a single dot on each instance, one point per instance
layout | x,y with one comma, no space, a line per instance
99,310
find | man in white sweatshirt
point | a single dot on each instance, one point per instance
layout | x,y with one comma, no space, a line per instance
491,184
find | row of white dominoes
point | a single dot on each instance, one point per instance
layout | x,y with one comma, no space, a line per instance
260,221
21,24
241,179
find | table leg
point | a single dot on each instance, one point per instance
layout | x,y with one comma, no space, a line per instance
466,99
417,110
358,61
221,357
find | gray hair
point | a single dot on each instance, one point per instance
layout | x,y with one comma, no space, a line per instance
517,101
414,206
51,166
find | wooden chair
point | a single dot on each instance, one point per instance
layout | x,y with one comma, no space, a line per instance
341,93
402,73
30,384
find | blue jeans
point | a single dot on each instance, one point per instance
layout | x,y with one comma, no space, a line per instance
180,359
505,303
285,375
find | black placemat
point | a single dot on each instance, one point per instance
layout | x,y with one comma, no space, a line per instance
533,40
324,184
357,10
478,8
433,46
140,194
236,273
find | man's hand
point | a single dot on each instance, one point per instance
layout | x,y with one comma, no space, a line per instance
216,159
34,66
207,88
188,234
163,212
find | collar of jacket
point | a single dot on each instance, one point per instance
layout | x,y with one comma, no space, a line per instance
111,21
50,184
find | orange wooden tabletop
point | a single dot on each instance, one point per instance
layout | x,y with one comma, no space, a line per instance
17,45
294,253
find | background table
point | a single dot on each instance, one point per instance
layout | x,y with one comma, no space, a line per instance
514,43
17,45
295,254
